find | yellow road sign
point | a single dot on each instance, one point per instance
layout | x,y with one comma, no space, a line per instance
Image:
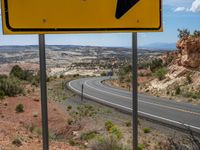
62,16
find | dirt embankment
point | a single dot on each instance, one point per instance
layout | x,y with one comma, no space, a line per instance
23,130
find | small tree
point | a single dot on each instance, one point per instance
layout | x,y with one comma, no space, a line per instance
16,71
156,64
196,33
183,33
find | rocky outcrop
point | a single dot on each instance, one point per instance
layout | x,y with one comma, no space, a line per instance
189,52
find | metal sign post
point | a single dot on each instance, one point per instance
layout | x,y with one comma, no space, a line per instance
134,91
43,90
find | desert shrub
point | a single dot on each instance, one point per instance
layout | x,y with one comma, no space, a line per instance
25,75
183,33
116,132
160,73
32,128
10,86
70,121
124,73
2,76
128,123
146,130
189,79
72,142
143,65
17,142
108,125
17,71
61,76
189,94
76,75
177,90
108,143
140,146
2,94
103,74
156,64
19,108
196,33
88,135
83,111
69,108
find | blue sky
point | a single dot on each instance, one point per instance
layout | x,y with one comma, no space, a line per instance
176,14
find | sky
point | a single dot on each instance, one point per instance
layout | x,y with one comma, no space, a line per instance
176,14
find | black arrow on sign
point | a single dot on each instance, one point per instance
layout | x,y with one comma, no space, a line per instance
123,6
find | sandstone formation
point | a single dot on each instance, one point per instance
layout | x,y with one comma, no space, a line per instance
189,52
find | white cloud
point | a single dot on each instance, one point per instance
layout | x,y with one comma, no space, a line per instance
194,8
179,9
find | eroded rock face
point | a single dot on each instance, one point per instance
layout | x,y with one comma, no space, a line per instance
189,52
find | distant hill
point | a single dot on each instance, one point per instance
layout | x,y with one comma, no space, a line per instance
159,46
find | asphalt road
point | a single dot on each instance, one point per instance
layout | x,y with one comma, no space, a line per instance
169,112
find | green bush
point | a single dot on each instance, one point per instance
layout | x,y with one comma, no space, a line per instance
196,33
16,71
115,131
10,86
2,94
108,143
19,108
25,75
103,74
140,146
160,73
69,108
156,64
72,142
183,33
108,125
88,135
17,142
178,90
146,130
128,123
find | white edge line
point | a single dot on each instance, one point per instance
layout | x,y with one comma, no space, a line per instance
147,114
150,103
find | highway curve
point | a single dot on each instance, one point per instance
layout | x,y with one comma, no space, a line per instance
169,112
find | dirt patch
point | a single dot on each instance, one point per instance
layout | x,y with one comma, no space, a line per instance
26,126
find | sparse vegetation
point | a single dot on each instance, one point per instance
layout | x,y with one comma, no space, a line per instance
17,142
69,108
103,74
147,130
25,75
189,79
72,142
128,123
108,143
183,33
2,94
140,146
19,108
10,86
156,64
88,135
108,125
160,73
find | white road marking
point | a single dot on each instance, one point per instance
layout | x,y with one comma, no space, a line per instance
147,114
155,104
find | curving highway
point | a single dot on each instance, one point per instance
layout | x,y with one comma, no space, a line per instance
169,112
